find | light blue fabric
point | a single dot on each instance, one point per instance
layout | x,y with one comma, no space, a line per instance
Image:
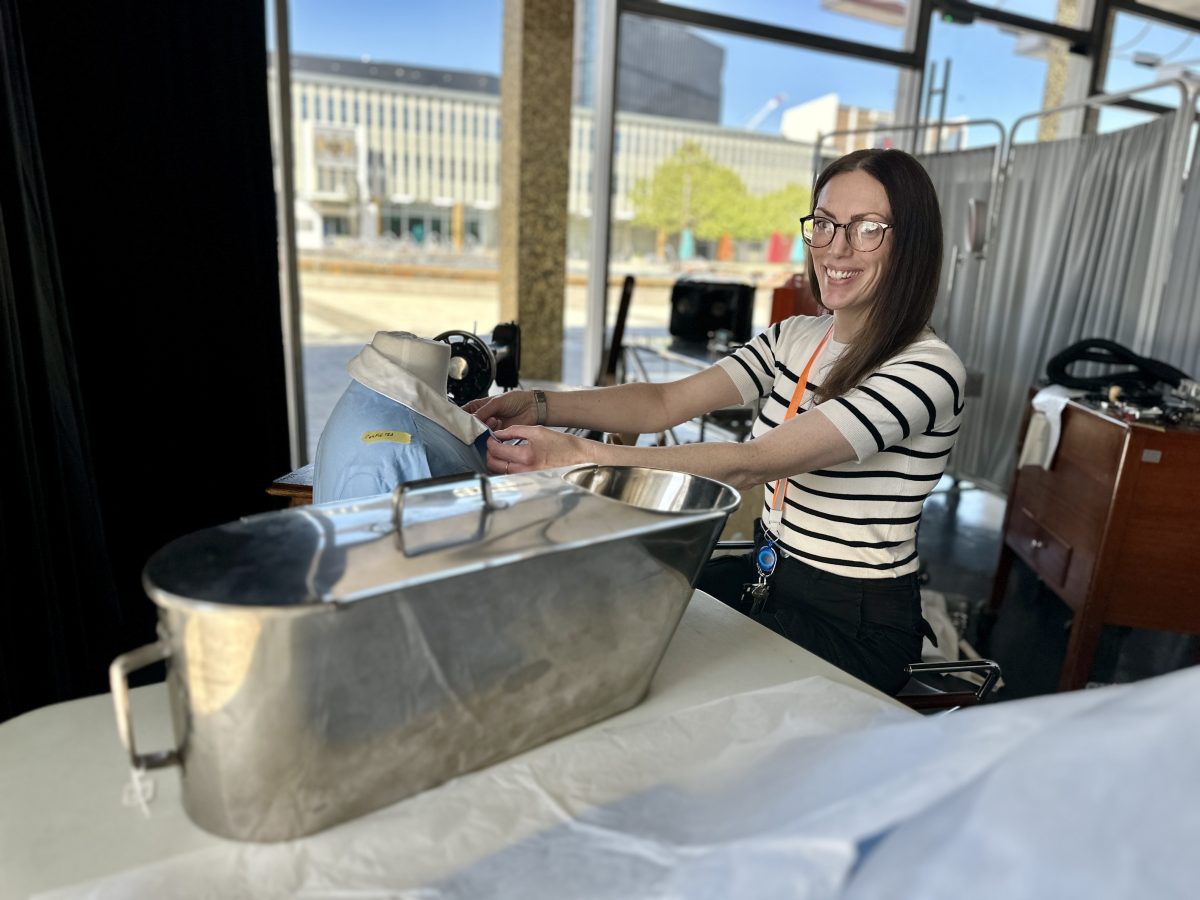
350,464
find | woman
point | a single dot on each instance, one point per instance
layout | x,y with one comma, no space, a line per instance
861,409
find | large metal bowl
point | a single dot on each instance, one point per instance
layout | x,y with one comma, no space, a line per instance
657,490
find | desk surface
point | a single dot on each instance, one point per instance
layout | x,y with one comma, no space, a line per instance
62,768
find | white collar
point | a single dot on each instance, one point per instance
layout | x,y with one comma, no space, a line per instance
374,370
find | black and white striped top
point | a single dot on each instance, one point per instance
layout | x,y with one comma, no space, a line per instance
858,518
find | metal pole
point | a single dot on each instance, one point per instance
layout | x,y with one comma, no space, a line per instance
603,119
920,148
941,123
289,282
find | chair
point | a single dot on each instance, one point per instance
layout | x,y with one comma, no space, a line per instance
932,686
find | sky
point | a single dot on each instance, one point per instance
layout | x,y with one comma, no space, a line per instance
466,34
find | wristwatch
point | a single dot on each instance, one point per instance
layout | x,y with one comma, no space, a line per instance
539,402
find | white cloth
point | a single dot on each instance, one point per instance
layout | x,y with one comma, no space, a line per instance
805,790
933,611
1045,426
384,375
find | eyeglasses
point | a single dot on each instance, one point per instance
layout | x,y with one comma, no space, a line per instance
862,234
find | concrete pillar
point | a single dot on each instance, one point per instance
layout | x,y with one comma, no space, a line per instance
535,144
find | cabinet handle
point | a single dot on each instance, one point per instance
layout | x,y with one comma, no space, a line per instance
1035,544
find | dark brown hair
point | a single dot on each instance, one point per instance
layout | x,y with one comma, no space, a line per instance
902,302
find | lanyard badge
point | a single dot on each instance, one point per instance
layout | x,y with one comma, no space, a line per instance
766,558
754,595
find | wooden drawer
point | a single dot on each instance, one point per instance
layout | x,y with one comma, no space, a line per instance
1047,553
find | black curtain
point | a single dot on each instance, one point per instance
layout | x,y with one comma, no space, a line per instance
143,358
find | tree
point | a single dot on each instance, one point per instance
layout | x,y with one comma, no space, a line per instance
780,211
690,190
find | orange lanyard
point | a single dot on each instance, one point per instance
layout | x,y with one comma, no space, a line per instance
775,516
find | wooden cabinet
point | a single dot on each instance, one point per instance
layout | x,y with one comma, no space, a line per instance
1113,528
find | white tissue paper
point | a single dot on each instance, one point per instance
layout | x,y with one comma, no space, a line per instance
806,790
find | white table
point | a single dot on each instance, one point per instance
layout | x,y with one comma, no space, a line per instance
62,767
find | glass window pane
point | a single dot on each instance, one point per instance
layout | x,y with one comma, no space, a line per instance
395,220
1113,118
966,58
1144,51
718,194
876,22
1046,10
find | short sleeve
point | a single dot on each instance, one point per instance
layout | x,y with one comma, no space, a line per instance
919,391
752,366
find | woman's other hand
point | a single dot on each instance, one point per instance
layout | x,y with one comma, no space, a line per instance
543,448
504,410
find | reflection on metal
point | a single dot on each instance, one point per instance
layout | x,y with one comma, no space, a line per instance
316,672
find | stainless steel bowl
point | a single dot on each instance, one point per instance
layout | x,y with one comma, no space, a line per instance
327,660
657,490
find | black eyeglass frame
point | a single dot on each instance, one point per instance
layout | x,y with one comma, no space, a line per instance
836,225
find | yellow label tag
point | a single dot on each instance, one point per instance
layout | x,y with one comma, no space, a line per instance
395,437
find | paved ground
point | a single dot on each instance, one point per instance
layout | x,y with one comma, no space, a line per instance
343,312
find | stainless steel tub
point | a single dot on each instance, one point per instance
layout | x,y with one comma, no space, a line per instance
329,660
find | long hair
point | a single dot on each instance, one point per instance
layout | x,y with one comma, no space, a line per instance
901,304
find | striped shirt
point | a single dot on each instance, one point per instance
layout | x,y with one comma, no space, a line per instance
858,518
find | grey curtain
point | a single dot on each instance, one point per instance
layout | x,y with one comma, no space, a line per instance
1068,262
1176,337
958,177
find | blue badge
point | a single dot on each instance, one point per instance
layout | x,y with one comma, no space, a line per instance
765,559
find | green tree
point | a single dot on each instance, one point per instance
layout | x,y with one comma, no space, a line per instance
780,211
690,189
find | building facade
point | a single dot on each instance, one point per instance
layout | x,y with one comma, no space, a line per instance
412,154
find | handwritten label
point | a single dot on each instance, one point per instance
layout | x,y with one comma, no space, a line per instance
392,437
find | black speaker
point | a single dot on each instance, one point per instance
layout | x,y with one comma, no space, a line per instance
700,308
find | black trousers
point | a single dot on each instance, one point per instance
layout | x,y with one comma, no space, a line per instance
870,627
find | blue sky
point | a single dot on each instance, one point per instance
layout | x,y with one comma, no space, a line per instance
466,34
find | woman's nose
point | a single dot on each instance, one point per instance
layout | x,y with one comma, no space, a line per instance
840,245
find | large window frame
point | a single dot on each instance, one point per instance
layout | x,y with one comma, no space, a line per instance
1091,40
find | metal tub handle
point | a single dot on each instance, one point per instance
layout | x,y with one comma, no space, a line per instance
489,505
118,679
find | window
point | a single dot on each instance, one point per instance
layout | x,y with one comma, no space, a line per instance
1144,51
346,210
1046,10
698,183
876,22
1034,67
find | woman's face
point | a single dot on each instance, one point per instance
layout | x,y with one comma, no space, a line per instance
847,276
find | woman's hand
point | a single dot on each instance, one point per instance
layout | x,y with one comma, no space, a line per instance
504,410
544,448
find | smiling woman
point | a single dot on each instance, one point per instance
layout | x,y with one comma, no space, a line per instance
843,485
880,286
